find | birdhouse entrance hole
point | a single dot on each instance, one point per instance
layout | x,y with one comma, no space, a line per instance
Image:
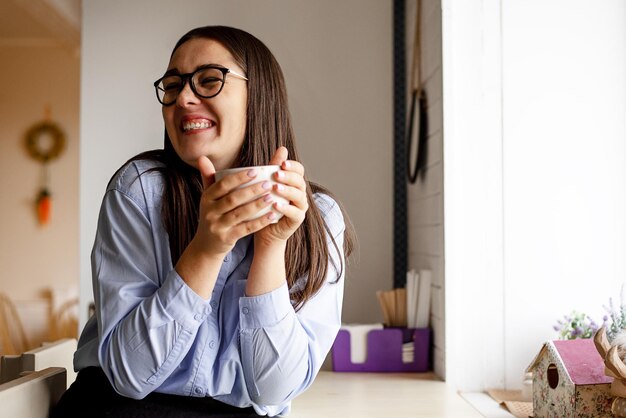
553,376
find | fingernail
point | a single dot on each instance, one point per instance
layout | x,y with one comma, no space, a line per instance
279,204
252,172
271,216
267,198
280,187
287,164
280,174
266,185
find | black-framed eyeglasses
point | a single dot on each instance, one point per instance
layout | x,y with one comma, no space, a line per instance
206,82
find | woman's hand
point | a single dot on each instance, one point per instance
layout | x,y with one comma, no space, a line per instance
223,209
290,184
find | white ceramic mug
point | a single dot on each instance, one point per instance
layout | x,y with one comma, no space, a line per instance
264,173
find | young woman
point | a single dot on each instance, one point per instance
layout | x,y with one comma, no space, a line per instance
198,311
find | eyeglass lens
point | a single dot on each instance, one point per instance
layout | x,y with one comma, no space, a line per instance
206,82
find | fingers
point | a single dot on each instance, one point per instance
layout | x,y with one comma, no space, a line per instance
291,165
290,178
241,228
238,222
279,156
207,171
229,206
291,212
287,180
249,227
231,182
294,195
249,210
242,196
291,184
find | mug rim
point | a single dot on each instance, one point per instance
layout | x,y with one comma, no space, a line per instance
228,171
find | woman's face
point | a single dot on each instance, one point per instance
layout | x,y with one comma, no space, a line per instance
212,127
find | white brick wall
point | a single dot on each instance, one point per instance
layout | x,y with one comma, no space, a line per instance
425,197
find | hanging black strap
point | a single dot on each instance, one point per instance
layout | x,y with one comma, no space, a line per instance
422,136
418,97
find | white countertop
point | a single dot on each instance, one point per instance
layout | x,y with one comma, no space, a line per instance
397,395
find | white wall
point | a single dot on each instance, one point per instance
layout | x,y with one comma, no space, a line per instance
564,158
33,258
425,197
535,179
473,193
336,57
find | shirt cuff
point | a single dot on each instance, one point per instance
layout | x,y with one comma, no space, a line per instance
182,303
264,310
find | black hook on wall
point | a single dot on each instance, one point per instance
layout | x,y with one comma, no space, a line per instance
416,169
418,97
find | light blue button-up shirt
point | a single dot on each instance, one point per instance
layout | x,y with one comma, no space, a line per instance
153,333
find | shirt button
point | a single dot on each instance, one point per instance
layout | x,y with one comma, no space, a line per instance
245,311
214,304
198,390
198,317
212,344
227,258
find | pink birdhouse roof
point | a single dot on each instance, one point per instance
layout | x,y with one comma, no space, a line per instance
582,361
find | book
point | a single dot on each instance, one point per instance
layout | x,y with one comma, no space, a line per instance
422,318
412,287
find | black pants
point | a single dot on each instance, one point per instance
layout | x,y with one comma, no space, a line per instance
92,396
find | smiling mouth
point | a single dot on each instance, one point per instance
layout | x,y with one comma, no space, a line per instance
195,124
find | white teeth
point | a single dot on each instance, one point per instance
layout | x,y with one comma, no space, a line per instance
195,125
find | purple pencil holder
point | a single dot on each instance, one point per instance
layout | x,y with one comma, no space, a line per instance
384,351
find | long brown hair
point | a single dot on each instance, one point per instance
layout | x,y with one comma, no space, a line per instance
268,126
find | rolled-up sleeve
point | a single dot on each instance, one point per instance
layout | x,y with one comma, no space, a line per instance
146,324
281,349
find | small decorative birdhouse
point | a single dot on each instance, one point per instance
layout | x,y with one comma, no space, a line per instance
569,381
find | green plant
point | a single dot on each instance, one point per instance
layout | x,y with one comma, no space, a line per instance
615,321
576,325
